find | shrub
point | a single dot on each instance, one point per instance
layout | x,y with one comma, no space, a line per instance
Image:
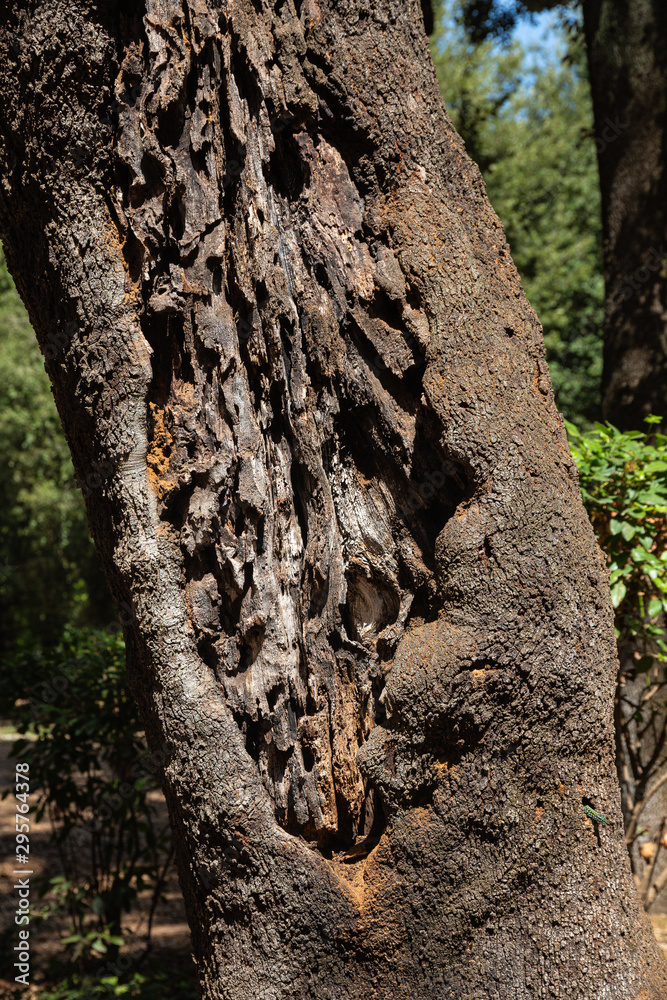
91,774
623,479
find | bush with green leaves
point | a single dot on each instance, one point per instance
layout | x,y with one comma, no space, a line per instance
91,772
163,979
623,479
151,983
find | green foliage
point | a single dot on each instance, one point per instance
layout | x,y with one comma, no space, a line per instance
153,983
483,19
64,687
623,479
531,133
49,573
83,739
477,83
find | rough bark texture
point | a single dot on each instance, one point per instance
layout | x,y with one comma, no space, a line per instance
627,58
372,638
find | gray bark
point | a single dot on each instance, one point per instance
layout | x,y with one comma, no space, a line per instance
372,639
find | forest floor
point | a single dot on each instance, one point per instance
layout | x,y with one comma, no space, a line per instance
170,937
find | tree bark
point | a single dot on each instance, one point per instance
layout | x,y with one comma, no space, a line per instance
371,634
627,58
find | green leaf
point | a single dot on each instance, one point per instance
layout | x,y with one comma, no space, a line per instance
618,592
654,607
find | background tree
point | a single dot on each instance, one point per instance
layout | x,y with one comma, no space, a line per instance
49,573
559,112
623,478
627,58
527,121
626,46
371,629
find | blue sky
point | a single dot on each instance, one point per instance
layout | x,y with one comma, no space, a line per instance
539,31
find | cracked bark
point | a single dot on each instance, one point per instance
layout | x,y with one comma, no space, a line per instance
371,638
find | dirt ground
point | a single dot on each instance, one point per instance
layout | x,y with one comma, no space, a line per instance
170,934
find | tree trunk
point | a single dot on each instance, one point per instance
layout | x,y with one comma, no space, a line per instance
627,58
371,635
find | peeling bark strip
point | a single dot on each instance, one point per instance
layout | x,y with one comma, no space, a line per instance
371,633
